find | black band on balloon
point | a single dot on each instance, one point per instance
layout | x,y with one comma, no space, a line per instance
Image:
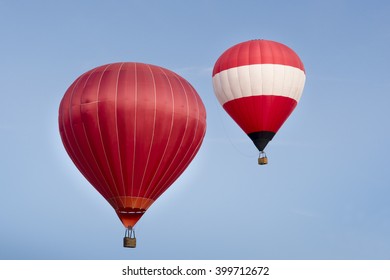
261,138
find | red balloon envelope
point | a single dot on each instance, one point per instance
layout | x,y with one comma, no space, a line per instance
259,83
131,129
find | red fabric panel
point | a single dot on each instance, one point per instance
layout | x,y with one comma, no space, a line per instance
257,52
260,113
131,128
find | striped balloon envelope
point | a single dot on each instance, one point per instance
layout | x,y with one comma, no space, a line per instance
131,129
259,84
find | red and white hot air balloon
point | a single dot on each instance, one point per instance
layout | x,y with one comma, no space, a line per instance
131,129
259,83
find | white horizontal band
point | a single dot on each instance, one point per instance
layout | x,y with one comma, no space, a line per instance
259,79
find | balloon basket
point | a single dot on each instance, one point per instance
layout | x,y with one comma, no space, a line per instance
262,160
129,241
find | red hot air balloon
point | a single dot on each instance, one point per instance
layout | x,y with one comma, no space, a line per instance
259,83
131,129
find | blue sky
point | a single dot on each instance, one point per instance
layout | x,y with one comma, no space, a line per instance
324,194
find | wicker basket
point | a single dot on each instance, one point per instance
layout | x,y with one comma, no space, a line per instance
262,160
129,242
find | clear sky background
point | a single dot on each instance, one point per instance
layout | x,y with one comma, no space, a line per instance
324,194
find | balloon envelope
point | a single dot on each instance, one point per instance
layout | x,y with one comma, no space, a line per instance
131,129
259,83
